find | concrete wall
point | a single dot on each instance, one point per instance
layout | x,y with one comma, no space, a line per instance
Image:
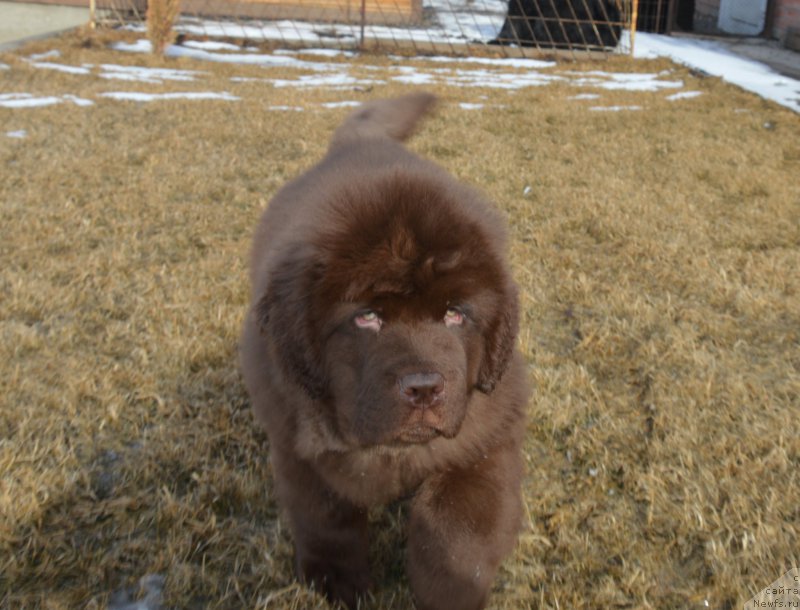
786,18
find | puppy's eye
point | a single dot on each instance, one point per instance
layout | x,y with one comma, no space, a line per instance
453,317
368,319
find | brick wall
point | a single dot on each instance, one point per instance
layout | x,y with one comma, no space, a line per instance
787,16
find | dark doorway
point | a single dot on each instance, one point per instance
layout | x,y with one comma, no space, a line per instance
653,16
684,16
662,16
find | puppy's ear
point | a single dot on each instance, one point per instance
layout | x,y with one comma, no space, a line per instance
500,339
284,314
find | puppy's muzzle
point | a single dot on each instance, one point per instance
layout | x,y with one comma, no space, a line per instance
422,390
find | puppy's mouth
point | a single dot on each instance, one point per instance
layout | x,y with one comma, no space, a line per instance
421,431
417,433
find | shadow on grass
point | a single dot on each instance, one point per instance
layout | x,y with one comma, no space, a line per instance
190,502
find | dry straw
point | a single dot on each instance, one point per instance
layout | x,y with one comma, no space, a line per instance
161,16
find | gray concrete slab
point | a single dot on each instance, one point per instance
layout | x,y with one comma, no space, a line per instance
770,52
21,22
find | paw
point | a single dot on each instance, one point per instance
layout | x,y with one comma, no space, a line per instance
338,582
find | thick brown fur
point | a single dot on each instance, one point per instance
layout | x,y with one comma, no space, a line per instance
379,354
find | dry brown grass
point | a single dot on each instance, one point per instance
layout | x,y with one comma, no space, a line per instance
161,16
657,252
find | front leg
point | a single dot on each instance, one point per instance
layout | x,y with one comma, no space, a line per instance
463,523
330,533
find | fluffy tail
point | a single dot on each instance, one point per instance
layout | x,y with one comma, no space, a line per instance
394,118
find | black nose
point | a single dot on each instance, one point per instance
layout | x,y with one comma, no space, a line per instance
422,389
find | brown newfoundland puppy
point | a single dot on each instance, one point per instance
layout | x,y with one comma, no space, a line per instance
380,357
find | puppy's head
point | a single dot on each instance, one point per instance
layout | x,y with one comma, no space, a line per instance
397,309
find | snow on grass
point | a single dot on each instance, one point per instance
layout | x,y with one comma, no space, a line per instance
507,62
267,60
147,75
27,100
473,72
52,54
613,108
510,73
46,65
345,104
475,21
18,135
684,95
293,32
135,96
317,52
713,58
78,101
211,45
410,76
328,81
450,23
623,81
118,72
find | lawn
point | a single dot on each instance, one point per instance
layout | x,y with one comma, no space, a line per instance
655,239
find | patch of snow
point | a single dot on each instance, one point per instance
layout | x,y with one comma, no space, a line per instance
19,135
211,45
621,81
146,75
478,20
140,46
135,96
347,104
684,95
521,73
613,108
260,59
468,106
317,52
507,62
410,76
46,55
452,27
26,100
585,96
501,80
474,78
46,65
286,108
4,66
482,6
78,101
332,81
715,59
249,79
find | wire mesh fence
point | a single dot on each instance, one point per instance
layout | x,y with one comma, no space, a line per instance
655,15
462,27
